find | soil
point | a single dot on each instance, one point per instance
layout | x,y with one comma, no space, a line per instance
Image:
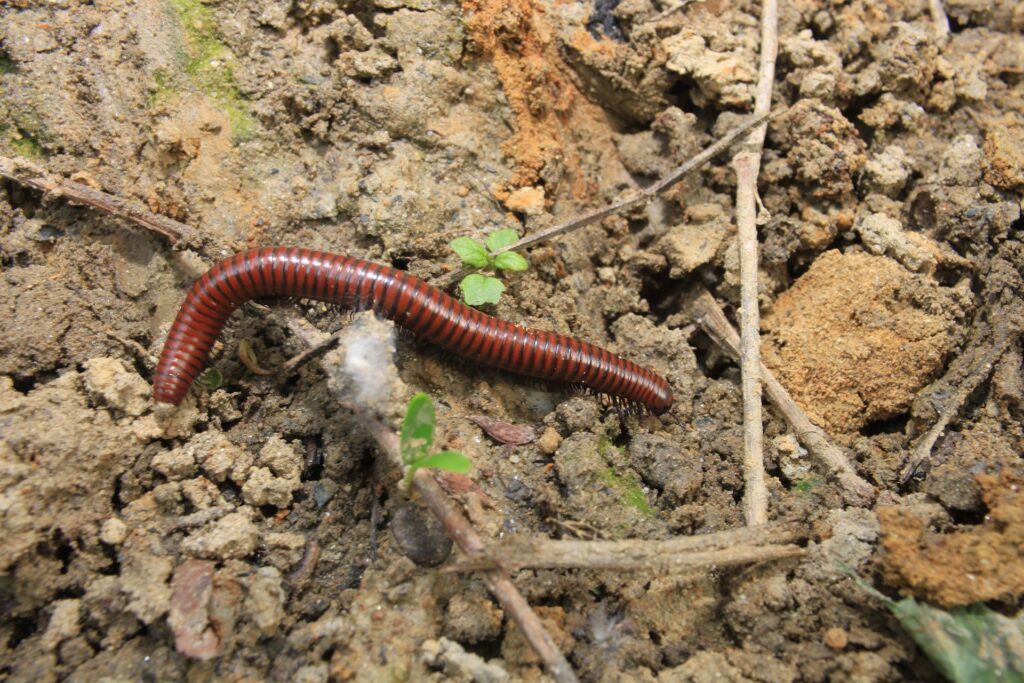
248,534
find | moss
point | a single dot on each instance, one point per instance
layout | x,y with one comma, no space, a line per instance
808,485
629,490
626,486
206,62
6,65
27,147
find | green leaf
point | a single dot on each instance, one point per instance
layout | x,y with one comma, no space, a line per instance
211,379
449,461
478,289
965,644
501,238
470,251
510,260
417,429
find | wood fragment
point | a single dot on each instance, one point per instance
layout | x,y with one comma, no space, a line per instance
747,163
26,173
856,491
722,549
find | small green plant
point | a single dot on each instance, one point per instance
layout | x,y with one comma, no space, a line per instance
211,379
418,438
480,289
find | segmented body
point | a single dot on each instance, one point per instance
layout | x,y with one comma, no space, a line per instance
410,302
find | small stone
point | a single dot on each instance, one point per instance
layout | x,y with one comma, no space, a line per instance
217,455
64,623
549,441
528,200
176,464
282,459
232,536
109,381
113,531
284,549
420,536
322,493
263,488
836,638
265,602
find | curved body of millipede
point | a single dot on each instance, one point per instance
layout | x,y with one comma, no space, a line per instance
426,311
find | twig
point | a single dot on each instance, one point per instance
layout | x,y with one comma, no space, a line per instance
977,372
628,202
747,163
857,491
727,548
317,344
939,19
310,555
469,542
21,171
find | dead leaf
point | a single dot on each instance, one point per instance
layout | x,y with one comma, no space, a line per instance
503,432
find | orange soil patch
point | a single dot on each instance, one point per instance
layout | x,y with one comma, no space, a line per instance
985,563
550,113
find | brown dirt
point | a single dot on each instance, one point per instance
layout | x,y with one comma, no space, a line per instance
960,568
247,534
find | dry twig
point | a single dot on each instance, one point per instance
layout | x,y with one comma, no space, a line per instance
633,199
962,382
856,491
723,549
460,530
747,163
25,173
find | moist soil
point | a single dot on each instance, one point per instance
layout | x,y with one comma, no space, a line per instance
256,533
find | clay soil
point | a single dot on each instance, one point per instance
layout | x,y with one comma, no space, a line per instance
256,533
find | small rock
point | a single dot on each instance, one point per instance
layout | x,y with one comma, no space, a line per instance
284,550
64,623
549,441
528,200
109,381
176,464
113,531
836,638
265,602
217,456
282,459
458,664
263,488
232,536
420,536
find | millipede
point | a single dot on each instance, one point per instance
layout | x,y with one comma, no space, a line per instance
411,303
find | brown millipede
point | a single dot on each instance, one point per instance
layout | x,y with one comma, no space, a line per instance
410,302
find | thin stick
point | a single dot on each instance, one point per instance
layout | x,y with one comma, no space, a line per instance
977,372
629,201
726,548
747,163
469,542
26,173
856,491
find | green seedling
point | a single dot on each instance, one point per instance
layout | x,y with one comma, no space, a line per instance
478,289
211,379
418,438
